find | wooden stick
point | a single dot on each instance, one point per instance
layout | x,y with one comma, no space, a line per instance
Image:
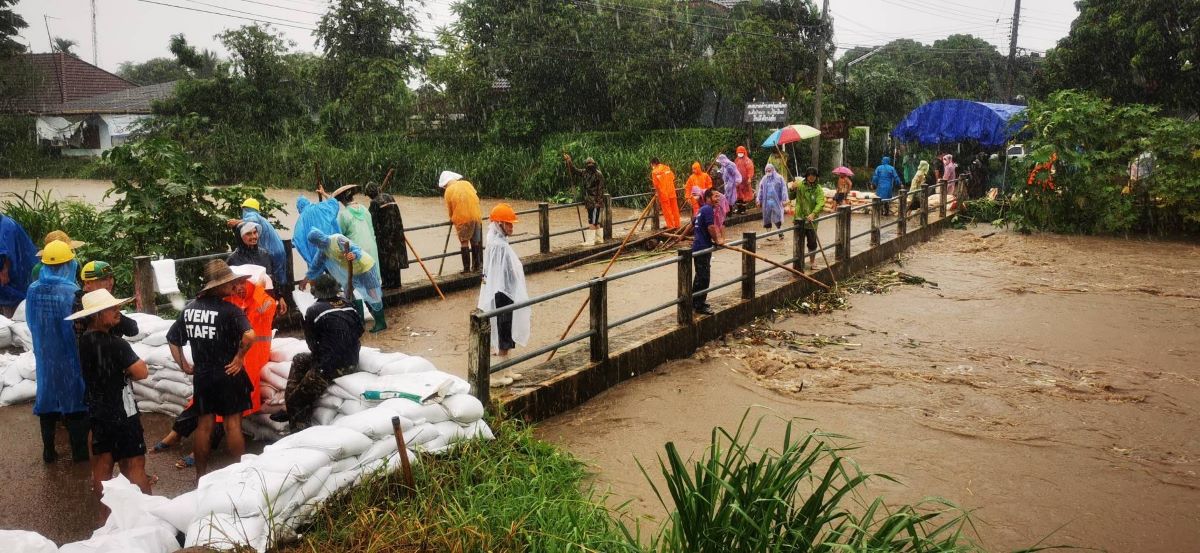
784,267
387,179
606,251
580,217
349,273
445,248
422,263
402,449
824,258
641,218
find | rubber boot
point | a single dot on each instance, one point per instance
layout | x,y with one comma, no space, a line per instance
358,308
49,425
597,237
77,431
380,320
477,257
465,253
589,237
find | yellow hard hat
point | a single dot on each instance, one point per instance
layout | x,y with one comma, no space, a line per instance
57,253
252,204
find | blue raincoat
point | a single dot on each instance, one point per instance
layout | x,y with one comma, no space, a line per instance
269,241
885,178
18,250
320,216
772,196
330,248
59,378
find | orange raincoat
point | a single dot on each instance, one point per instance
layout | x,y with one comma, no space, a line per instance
697,183
745,166
663,179
259,307
462,203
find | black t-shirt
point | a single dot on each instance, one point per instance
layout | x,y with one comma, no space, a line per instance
104,358
332,331
214,327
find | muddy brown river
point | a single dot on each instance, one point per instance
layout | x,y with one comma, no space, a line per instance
1051,384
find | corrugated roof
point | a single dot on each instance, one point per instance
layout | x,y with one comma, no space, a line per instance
131,101
54,79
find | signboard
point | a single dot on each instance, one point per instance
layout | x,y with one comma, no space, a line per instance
835,129
766,112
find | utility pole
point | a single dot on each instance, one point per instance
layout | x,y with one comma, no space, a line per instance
46,20
1012,49
95,50
816,144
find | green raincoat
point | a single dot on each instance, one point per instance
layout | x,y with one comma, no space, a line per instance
810,200
355,222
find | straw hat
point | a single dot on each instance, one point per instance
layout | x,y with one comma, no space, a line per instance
61,237
448,177
218,273
345,188
97,301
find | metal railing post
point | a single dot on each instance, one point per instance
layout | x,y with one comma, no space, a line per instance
902,215
290,270
942,196
479,357
842,251
143,285
598,294
544,227
876,217
924,199
684,311
655,213
607,227
749,243
798,245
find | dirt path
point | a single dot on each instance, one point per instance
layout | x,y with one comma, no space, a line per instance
1046,381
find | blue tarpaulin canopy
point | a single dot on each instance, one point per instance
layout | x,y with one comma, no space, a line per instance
946,121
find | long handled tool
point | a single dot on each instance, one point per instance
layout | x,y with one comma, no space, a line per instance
784,267
349,272
824,258
641,218
445,248
387,179
422,263
608,250
402,448
581,227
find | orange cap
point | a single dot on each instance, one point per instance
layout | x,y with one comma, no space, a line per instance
503,213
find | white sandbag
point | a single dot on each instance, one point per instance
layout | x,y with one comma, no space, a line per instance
477,430
373,361
27,370
157,339
315,483
141,350
172,409
175,388
330,401
352,406
335,441
21,337
448,433
275,380
161,356
148,406
10,375
431,413
172,399
19,312
345,464
339,391
419,435
223,531
281,368
303,300
25,542
145,392
356,383
171,373
408,365
147,324
178,512
155,536
284,349
324,415
244,489
24,391
426,385
6,336
374,423
379,450
463,408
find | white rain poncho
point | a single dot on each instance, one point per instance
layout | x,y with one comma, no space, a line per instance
503,272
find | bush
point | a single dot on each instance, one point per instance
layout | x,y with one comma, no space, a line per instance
22,157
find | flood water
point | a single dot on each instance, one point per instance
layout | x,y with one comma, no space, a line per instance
1046,381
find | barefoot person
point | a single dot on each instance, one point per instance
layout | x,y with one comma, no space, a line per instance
220,335
504,283
109,364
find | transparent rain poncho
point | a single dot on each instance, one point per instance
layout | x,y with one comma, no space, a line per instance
772,196
270,242
330,249
20,253
355,222
49,301
320,216
503,272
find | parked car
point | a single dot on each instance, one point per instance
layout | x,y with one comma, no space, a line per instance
1016,151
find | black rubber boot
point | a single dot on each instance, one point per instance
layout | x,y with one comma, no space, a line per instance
77,430
49,425
380,321
477,257
465,253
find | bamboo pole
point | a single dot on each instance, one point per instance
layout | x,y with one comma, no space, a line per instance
402,449
387,179
641,218
606,251
445,248
784,267
824,258
422,263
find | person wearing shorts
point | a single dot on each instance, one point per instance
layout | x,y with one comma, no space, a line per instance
462,205
220,335
592,182
108,365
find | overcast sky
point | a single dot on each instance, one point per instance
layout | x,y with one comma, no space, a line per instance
137,30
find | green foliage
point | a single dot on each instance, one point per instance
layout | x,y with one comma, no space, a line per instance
64,46
11,24
153,71
22,157
200,64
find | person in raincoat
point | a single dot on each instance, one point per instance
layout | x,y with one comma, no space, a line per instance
909,166
886,181
389,227
462,205
504,283
268,239
810,200
950,175
663,180
918,180
592,182
772,196
51,237
745,187
335,254
779,160
320,216
250,252
697,183
731,177
355,221
253,297
60,390
17,257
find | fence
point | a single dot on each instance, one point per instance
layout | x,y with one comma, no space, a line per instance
480,365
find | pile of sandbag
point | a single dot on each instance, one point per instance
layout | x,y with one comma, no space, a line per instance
18,378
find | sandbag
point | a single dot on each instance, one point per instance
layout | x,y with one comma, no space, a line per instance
463,408
156,339
350,407
408,365
420,434
356,383
24,391
432,413
374,423
10,375
273,379
145,392
335,441
154,537
6,336
379,450
324,416
330,401
224,531
175,388
21,336
247,490
25,542
178,512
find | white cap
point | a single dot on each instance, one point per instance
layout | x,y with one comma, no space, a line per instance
447,177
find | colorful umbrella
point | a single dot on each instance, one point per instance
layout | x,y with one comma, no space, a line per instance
843,171
789,134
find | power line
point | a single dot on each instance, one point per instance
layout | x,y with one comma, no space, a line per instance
250,13
226,15
281,7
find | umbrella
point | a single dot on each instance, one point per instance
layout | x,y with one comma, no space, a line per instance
843,171
789,134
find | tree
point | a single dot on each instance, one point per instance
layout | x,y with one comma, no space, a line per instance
153,71
63,46
201,64
1131,51
11,24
